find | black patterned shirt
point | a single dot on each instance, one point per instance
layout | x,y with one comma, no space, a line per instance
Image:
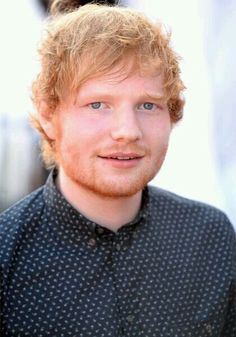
171,272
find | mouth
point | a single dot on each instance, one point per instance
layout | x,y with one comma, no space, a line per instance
122,160
122,156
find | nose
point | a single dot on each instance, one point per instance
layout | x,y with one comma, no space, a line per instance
125,126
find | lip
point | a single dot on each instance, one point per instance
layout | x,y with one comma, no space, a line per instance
132,155
122,163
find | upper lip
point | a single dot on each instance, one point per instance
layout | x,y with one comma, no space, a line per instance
122,155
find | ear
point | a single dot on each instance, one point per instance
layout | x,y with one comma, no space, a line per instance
47,120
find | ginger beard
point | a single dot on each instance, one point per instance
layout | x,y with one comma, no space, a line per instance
120,183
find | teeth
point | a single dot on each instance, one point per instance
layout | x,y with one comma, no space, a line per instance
122,158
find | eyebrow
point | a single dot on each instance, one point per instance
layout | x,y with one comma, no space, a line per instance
153,96
108,95
158,97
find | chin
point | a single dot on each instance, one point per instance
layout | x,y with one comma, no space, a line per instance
115,188
111,192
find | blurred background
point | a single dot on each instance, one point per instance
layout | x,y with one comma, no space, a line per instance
201,162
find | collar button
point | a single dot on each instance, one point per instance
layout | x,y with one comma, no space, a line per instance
118,247
100,230
92,242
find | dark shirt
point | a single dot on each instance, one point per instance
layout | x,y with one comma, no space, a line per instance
169,273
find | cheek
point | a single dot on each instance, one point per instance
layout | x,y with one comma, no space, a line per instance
80,135
164,131
84,127
158,132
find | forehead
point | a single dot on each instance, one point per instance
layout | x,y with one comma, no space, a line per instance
125,75
127,65
135,80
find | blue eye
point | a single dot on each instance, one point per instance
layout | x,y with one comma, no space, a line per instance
148,106
96,105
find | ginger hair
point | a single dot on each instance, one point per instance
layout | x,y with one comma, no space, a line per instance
89,41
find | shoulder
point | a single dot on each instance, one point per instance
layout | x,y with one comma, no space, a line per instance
190,215
189,223
22,210
18,219
178,204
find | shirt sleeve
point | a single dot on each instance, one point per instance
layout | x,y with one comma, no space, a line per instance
1,299
229,328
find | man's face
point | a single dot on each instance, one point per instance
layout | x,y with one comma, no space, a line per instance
112,137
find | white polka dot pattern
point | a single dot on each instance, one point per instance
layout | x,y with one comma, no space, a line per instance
169,273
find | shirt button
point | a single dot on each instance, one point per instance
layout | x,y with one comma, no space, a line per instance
209,328
135,235
118,247
92,242
130,318
100,230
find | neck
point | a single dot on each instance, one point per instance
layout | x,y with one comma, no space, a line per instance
111,213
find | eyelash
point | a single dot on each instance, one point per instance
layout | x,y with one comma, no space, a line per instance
94,103
154,106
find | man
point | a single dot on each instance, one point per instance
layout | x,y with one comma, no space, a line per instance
97,252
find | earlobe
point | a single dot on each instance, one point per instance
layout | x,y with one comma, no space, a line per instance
46,120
